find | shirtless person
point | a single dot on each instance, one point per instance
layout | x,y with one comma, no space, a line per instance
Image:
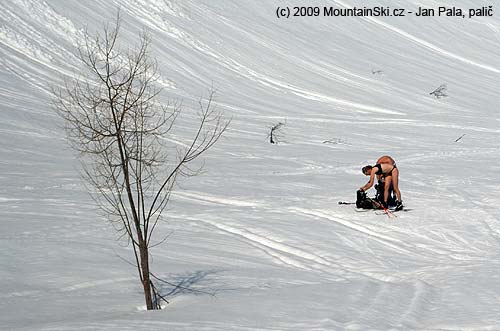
384,168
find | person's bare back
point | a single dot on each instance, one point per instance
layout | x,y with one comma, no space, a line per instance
386,159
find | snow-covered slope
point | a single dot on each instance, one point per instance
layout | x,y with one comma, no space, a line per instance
262,228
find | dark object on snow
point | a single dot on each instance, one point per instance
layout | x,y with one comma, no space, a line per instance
460,137
364,202
440,92
276,134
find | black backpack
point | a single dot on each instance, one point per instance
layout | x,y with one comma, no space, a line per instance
363,202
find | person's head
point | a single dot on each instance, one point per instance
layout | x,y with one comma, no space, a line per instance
367,170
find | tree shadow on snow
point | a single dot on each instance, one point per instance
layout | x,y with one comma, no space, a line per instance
185,284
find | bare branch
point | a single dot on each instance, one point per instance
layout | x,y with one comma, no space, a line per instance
440,92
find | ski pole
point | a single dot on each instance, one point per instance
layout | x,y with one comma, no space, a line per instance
389,213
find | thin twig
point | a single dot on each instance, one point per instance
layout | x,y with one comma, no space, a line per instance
460,137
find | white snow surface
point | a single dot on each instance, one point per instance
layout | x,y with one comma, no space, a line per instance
261,228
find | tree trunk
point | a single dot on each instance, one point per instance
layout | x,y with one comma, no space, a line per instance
146,280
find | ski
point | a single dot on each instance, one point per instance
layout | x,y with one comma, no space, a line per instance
382,212
361,210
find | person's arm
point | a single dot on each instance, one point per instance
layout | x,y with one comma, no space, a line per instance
370,182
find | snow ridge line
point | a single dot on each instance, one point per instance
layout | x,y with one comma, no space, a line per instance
266,242
385,239
422,296
204,198
71,288
289,255
282,253
424,250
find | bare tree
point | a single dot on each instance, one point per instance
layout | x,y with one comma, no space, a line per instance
440,92
113,119
276,133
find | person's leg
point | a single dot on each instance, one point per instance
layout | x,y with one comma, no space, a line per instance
395,182
387,185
